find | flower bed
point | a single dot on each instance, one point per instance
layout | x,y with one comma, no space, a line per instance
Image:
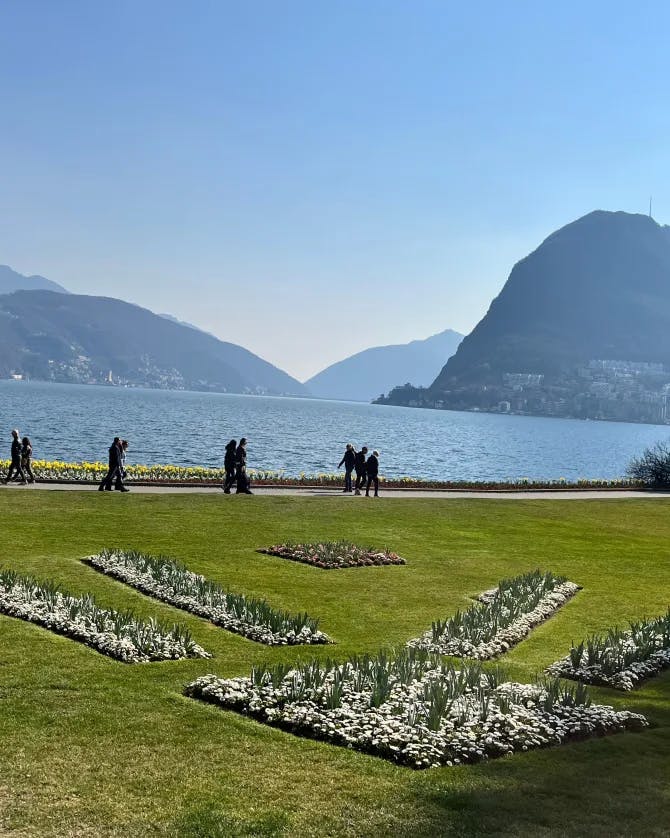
619,659
501,619
56,471
331,555
115,633
170,581
413,708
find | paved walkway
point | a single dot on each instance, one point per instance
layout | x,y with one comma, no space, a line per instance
321,492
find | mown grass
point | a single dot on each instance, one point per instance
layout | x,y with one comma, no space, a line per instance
90,746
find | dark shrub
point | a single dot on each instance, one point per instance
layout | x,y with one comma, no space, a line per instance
653,467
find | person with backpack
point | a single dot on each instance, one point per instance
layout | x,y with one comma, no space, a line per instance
359,467
372,471
349,459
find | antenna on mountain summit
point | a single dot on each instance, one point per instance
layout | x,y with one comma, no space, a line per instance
650,206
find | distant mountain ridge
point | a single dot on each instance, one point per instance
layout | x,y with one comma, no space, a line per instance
597,288
592,299
11,280
363,376
72,337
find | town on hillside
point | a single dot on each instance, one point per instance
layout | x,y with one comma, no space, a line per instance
625,391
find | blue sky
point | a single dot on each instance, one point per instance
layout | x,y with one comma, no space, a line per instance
311,178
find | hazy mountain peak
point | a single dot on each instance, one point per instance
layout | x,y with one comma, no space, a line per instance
599,287
365,375
11,280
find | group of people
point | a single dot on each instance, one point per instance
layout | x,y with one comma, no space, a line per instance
367,470
20,466
235,464
116,471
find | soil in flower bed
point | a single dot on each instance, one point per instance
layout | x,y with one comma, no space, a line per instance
502,617
118,634
170,581
333,555
414,709
619,659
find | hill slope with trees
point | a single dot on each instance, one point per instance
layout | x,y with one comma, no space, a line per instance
71,337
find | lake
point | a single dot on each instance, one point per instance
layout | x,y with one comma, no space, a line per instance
76,422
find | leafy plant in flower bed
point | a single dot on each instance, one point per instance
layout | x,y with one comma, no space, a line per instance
414,708
619,659
503,617
170,581
118,634
330,555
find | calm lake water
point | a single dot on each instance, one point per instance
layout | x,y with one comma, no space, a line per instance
76,422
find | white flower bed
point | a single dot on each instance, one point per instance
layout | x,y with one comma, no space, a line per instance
619,659
117,634
501,619
173,583
422,716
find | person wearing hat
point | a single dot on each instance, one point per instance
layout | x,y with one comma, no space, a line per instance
15,469
372,472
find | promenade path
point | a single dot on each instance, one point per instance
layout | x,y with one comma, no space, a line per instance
386,494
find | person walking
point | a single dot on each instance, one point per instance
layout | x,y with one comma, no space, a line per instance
229,465
121,473
359,466
372,471
15,469
241,469
113,467
349,459
27,459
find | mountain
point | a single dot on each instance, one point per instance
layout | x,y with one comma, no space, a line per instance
183,322
11,281
71,337
365,375
597,290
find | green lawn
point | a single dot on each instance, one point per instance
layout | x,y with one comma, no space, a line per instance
90,746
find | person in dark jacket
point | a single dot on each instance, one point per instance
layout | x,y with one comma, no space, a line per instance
372,471
15,469
27,459
114,468
241,469
121,473
229,465
349,459
359,466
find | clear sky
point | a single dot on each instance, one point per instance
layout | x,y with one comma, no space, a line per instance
311,177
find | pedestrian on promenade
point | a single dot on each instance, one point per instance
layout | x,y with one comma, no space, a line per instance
27,459
114,467
241,467
372,471
359,466
15,469
229,465
349,459
121,473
